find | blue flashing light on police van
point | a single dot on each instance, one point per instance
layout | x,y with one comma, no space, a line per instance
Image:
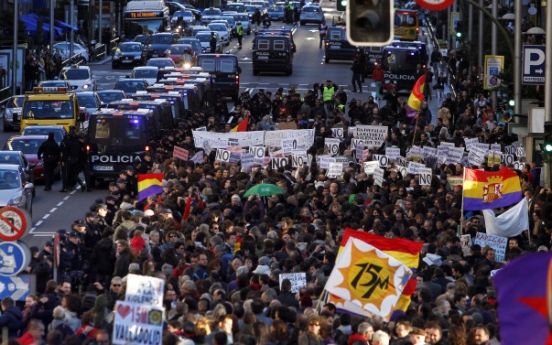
227,52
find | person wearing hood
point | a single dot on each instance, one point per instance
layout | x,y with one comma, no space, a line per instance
103,257
363,335
49,152
11,317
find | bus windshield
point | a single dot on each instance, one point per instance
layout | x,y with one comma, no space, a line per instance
110,134
143,27
48,110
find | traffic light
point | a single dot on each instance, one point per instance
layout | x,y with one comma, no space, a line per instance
341,5
370,22
546,147
459,29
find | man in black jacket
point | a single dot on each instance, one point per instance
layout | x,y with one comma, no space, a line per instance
11,317
49,152
286,296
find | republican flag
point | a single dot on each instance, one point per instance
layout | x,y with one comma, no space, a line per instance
524,287
486,190
510,223
242,126
405,251
416,97
367,277
149,184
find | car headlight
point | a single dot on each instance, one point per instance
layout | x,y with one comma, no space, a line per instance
16,200
86,86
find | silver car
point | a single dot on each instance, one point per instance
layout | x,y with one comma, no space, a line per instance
15,189
311,14
12,113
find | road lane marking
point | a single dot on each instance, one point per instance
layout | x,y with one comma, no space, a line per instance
59,204
66,198
53,210
46,216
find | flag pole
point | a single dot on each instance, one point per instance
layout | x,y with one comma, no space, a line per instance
462,207
322,296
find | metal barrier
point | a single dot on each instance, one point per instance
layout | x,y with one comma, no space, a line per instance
73,60
97,52
113,45
5,94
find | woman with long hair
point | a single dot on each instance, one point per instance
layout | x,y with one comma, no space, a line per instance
278,333
124,258
313,334
260,331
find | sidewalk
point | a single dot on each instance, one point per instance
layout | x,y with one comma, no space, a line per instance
100,62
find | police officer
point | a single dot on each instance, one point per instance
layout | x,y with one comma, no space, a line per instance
71,156
76,248
239,32
213,42
49,152
132,181
328,91
288,12
357,71
322,29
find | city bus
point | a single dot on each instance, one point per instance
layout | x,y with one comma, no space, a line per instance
145,18
46,106
407,25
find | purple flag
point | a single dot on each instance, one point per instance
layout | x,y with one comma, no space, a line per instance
523,285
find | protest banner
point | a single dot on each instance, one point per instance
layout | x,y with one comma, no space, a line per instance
378,176
470,142
498,243
414,168
180,153
455,181
454,155
332,145
429,151
222,140
324,161
373,136
222,155
370,167
425,176
393,153
288,145
145,290
237,149
304,137
137,324
297,280
247,160
335,170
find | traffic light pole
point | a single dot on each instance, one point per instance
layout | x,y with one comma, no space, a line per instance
548,91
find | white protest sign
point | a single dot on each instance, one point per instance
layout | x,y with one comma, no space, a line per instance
207,147
425,176
222,155
332,145
288,145
304,137
223,140
442,153
343,160
520,152
352,131
454,155
359,151
483,146
414,150
337,132
259,153
145,290
498,243
279,162
378,177
324,161
137,324
370,167
475,158
429,151
510,149
234,157
444,143
518,165
465,242
374,136
233,142
383,160
201,129
198,157
236,148
355,143
414,168
247,160
470,142
335,170
393,153
494,157
297,280
298,161
507,159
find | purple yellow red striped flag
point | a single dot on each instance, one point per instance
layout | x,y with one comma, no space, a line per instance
149,184
416,97
486,190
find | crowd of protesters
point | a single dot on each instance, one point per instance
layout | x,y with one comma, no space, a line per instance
221,253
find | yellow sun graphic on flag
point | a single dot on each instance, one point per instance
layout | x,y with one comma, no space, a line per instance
369,278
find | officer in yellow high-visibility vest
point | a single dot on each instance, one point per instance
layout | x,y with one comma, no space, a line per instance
328,92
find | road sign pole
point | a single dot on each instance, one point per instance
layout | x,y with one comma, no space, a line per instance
548,85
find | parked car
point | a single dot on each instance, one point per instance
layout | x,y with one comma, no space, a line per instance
145,72
130,86
128,54
15,189
18,158
12,112
28,145
64,49
58,130
108,96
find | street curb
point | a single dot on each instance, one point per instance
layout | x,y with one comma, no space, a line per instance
104,61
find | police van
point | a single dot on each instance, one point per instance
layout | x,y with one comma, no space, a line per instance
226,73
370,56
117,138
193,96
272,53
163,113
337,46
399,67
422,48
179,101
